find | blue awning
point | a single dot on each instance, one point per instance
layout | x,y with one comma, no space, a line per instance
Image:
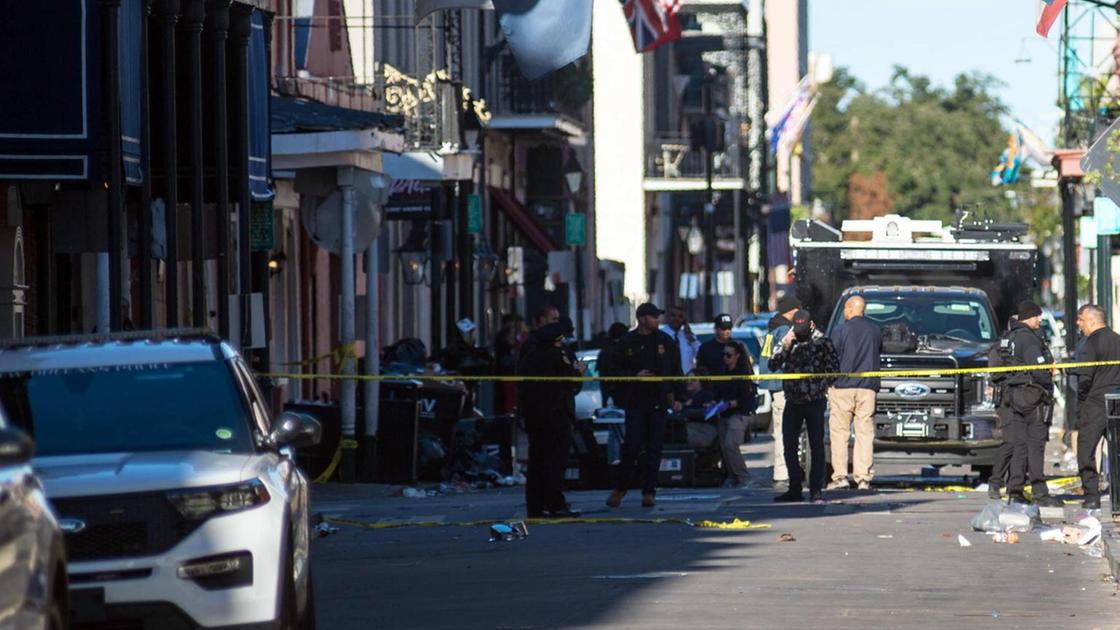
50,111
291,114
259,135
131,54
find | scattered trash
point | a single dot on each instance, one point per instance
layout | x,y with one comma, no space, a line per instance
413,493
505,532
884,536
981,488
1051,513
997,517
325,529
963,541
1054,534
1011,538
786,537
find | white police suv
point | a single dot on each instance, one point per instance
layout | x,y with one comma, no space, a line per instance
178,494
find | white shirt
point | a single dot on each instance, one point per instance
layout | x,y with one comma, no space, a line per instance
688,350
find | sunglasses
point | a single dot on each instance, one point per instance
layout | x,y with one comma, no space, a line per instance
729,355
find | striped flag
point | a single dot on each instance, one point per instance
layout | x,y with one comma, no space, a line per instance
652,22
1050,14
786,124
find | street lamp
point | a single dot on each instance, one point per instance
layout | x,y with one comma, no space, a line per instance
413,256
573,172
470,125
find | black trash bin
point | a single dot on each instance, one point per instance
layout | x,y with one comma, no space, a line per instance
398,432
1112,434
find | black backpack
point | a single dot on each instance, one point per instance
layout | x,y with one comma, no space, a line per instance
898,339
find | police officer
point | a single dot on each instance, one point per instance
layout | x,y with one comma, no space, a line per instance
549,411
1030,394
646,351
1002,465
1101,344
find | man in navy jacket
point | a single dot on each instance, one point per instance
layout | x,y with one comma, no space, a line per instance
852,399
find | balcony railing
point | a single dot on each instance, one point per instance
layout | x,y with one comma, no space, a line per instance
565,92
668,156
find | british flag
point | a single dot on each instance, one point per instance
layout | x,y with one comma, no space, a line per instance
652,22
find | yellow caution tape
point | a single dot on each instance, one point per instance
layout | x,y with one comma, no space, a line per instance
716,378
338,355
736,524
326,475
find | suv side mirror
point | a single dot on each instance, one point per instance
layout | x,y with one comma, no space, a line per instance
296,430
15,447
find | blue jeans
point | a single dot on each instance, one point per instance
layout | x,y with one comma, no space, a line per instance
645,429
811,415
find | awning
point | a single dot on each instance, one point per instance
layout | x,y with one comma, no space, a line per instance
554,123
259,120
131,55
423,166
291,114
50,112
520,218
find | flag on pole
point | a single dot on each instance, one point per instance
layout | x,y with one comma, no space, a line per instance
1033,146
652,22
1007,171
791,118
1050,14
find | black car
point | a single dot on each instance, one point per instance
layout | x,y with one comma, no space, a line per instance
33,586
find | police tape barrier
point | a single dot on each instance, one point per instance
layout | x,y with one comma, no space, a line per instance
703,524
716,378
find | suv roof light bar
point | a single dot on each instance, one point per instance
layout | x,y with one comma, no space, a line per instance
165,334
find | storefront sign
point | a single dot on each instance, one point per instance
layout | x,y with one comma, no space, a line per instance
411,200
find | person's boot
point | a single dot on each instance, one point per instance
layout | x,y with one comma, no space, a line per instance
615,499
648,500
994,492
793,495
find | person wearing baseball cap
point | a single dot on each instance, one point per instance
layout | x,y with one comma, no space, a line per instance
549,412
777,328
710,354
646,351
804,350
1029,393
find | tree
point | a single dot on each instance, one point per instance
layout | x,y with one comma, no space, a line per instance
932,148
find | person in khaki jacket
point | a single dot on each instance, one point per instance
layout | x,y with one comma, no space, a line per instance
851,399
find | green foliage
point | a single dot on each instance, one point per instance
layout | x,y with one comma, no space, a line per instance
936,146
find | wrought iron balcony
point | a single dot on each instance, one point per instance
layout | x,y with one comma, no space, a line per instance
668,156
566,92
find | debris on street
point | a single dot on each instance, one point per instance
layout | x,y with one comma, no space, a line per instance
786,537
506,532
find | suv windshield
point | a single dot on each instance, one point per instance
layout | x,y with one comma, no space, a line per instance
936,315
130,408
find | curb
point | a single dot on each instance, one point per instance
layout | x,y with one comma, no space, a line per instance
1110,536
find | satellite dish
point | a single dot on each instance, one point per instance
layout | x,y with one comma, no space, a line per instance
324,223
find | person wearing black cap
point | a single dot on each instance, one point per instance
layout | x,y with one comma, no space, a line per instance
549,411
646,351
710,354
777,328
1029,395
804,350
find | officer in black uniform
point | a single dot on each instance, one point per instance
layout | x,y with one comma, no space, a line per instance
1029,395
1002,466
646,351
549,411
1101,344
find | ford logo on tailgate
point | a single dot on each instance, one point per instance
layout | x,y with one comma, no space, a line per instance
912,390
71,525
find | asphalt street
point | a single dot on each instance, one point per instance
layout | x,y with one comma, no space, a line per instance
889,558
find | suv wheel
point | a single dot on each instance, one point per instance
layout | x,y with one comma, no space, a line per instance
289,618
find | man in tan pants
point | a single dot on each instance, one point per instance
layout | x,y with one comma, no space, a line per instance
852,399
